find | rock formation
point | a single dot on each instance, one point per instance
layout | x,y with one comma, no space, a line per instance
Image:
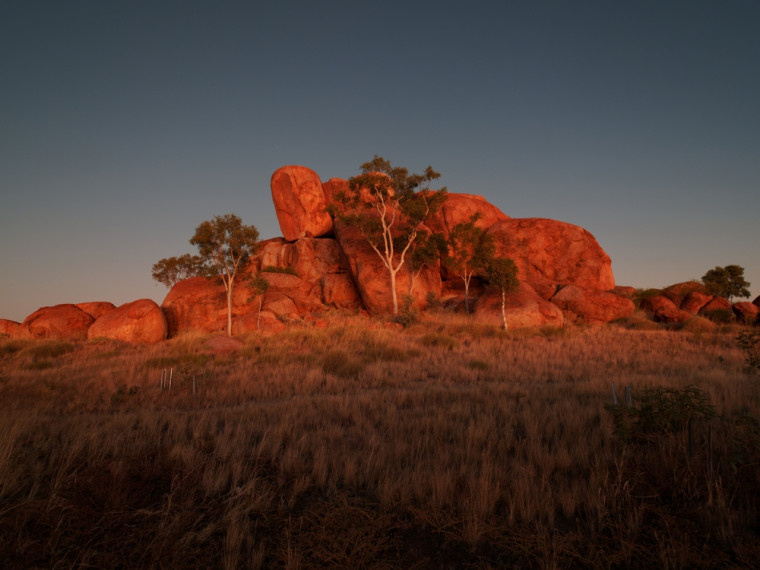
524,308
300,203
592,306
9,328
548,251
139,321
663,310
60,322
321,263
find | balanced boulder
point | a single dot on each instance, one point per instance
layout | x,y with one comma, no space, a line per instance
300,203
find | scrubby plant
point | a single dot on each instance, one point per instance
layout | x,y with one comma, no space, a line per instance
749,342
658,411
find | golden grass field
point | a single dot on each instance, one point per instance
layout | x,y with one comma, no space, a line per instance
447,444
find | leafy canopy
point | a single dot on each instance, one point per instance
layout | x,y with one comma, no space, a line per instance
726,281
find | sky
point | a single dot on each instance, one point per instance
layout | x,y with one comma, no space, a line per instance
125,124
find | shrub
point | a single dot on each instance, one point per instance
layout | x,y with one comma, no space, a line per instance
749,341
658,411
720,316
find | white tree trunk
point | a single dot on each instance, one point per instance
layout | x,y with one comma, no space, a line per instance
503,308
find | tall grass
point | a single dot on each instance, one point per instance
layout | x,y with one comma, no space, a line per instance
445,444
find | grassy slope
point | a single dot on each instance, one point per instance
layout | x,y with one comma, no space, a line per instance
448,443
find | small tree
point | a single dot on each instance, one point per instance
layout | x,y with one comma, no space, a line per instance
259,286
501,274
470,249
171,270
388,205
225,246
426,250
726,282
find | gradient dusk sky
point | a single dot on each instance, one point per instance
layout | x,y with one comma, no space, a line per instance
124,124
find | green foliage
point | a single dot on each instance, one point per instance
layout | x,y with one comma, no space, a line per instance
258,285
720,316
409,315
501,274
388,205
469,249
749,342
171,270
225,247
726,281
659,411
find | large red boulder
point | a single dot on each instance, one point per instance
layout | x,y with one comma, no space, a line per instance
198,304
60,322
372,278
9,328
139,321
716,304
746,312
678,292
96,308
549,251
458,208
592,306
523,308
300,203
756,302
663,310
694,301
267,323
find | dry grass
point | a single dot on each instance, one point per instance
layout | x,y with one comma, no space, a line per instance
447,444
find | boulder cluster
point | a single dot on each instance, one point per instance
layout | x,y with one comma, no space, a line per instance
322,263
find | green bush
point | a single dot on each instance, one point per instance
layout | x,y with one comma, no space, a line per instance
749,341
659,411
720,316
439,339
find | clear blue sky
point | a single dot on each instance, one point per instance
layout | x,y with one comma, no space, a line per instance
124,124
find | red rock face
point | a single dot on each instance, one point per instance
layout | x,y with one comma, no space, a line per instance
459,208
9,328
96,308
756,302
139,321
694,301
746,312
268,323
592,306
548,251
60,322
340,292
524,308
663,310
196,304
300,203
